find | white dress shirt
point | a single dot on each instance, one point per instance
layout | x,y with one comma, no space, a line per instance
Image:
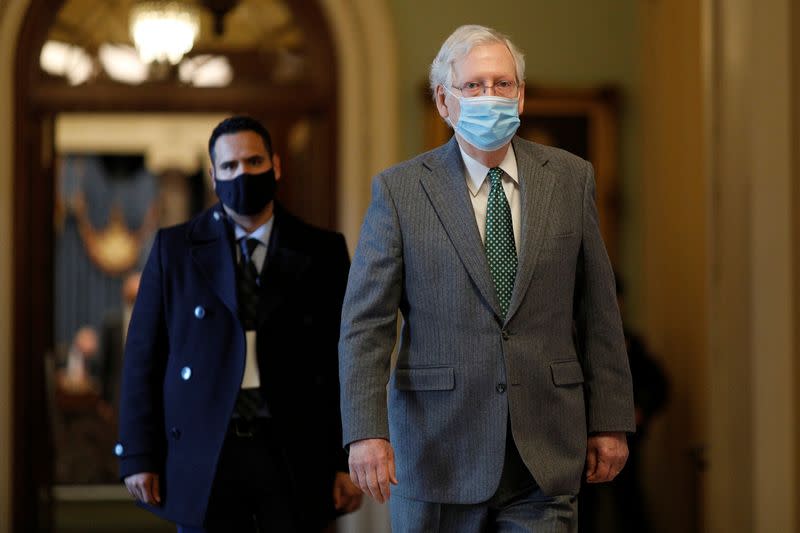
479,187
251,378
262,234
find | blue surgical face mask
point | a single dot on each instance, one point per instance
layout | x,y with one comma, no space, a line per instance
487,122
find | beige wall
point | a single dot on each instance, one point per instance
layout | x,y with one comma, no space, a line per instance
674,259
718,259
753,448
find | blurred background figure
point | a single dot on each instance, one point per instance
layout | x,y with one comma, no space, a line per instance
81,423
621,506
79,364
114,333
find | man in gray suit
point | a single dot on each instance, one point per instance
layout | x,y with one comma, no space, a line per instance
511,376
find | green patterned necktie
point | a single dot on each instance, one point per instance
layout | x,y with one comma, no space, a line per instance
500,248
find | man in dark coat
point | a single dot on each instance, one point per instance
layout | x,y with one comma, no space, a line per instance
229,418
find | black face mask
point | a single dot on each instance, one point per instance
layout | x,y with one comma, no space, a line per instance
247,194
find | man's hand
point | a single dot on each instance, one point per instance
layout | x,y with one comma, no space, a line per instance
144,487
346,496
605,456
372,467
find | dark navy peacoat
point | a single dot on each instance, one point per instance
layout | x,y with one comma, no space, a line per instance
185,355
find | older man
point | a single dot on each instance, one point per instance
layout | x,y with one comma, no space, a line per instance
511,378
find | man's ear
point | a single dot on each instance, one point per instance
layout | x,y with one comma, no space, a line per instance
211,173
276,164
441,106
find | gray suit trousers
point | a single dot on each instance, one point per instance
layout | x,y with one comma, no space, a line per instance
518,505
529,511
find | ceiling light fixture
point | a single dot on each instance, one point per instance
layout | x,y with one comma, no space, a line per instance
164,31
70,61
122,63
206,71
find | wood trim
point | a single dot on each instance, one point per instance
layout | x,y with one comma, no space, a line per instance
795,169
55,96
33,249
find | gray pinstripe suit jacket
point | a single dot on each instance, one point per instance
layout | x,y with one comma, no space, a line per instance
556,365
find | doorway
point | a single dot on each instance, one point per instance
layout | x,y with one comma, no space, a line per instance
290,83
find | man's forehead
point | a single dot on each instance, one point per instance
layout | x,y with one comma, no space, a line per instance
242,143
489,56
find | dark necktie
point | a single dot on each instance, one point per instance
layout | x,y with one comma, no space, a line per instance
501,251
248,284
249,401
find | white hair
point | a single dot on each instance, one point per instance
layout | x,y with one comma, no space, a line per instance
460,44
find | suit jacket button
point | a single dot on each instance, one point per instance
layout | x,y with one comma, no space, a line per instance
217,216
199,312
505,335
118,450
186,373
501,388
175,433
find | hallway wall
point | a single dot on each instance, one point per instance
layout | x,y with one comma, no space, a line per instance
753,273
674,259
720,127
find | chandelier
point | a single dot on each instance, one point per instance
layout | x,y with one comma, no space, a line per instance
163,30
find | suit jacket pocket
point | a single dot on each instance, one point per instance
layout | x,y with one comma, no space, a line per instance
566,372
421,379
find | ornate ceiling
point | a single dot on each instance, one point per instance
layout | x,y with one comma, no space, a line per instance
250,25
257,40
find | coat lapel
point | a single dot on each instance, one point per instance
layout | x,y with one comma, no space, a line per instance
283,269
447,190
536,188
212,252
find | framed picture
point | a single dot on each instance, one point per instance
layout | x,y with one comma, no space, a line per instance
581,121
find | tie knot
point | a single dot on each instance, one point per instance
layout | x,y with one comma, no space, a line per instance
249,246
495,174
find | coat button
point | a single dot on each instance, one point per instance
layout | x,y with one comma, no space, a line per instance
199,312
217,216
505,335
501,388
186,373
175,433
118,450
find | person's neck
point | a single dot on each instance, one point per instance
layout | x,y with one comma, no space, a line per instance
489,159
250,223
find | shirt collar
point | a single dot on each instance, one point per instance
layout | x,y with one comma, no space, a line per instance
261,233
476,171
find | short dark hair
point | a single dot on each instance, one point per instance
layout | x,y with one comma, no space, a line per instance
236,124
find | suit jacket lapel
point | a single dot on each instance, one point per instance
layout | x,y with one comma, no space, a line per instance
536,187
212,252
447,190
283,269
